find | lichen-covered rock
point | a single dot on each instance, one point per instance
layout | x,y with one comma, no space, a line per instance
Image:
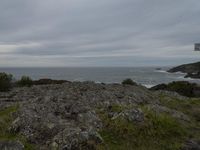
11,145
64,115
134,115
76,139
191,145
131,115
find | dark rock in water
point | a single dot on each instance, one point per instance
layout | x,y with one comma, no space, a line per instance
158,68
11,145
191,145
192,69
193,75
182,87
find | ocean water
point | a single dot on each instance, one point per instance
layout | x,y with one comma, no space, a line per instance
147,76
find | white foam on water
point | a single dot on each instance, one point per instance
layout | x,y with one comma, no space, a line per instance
179,72
149,85
181,77
161,71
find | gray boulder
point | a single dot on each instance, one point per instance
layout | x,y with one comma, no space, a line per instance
191,145
11,145
132,115
76,139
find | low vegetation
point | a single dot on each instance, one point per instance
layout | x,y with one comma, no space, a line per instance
129,82
5,81
182,87
189,106
157,132
48,81
25,81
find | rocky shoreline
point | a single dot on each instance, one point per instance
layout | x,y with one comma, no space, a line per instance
89,116
192,70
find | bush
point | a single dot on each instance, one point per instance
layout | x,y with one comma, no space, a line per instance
182,87
5,81
129,82
25,81
48,81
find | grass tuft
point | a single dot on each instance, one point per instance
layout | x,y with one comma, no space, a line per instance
157,132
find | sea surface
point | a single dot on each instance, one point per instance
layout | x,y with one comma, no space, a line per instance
147,76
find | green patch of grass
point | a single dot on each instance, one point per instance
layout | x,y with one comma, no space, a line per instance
6,119
157,132
8,110
190,107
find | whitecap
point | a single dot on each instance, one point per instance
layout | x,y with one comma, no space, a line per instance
149,85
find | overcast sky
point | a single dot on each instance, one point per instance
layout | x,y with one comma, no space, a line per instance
98,32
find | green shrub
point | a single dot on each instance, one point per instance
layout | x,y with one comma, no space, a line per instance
184,88
25,81
128,82
5,81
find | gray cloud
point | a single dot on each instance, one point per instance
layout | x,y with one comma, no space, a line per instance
98,33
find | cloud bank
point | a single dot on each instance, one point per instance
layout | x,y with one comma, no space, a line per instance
98,33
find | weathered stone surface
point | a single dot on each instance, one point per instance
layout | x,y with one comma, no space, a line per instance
132,115
76,138
11,145
191,145
63,116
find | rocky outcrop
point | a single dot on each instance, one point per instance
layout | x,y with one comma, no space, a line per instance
193,75
192,70
63,116
11,145
75,115
131,115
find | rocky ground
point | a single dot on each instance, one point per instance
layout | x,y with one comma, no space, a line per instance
87,116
